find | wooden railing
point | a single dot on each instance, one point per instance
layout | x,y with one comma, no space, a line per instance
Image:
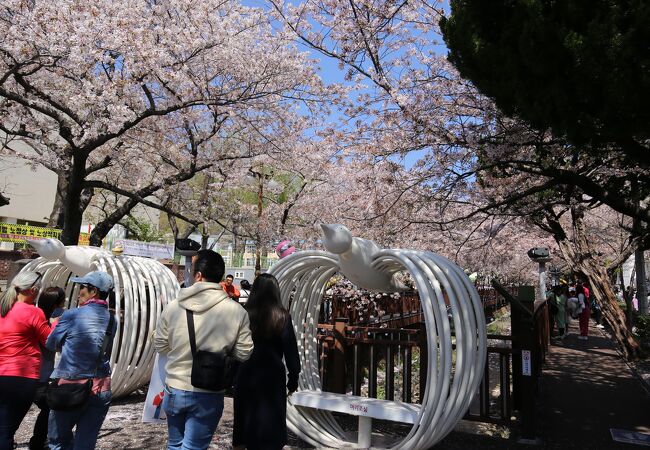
390,363
393,364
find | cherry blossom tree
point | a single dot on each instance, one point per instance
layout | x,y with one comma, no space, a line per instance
469,167
80,83
562,211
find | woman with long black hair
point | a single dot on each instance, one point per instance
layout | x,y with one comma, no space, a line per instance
51,303
261,385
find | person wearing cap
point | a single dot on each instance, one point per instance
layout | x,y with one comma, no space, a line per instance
220,326
79,335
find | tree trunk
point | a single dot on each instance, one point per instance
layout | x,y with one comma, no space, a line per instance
174,226
628,301
205,235
641,288
57,215
258,232
73,212
577,252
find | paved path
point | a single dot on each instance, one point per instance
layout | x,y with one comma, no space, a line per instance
587,389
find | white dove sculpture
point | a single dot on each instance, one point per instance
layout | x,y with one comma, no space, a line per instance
76,258
356,256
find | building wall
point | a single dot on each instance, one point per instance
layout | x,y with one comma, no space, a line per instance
7,264
30,190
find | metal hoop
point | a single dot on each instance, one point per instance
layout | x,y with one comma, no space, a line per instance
143,287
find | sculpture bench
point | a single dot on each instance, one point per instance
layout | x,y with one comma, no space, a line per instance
366,408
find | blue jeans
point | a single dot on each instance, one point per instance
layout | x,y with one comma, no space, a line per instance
88,419
192,418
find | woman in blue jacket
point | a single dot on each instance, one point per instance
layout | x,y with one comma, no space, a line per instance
79,335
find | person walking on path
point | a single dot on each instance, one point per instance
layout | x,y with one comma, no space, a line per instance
51,302
221,326
80,335
23,330
551,300
561,316
244,291
261,386
583,319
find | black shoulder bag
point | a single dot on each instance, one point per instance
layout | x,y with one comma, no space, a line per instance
210,370
63,397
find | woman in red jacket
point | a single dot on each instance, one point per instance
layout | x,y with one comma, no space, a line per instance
23,328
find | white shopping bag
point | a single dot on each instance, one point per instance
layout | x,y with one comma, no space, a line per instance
153,411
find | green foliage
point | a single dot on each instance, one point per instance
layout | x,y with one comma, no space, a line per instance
142,230
287,184
642,324
494,328
581,67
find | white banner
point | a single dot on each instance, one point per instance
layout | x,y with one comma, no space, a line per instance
146,249
153,411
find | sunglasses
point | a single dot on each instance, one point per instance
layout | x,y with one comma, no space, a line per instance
38,277
87,286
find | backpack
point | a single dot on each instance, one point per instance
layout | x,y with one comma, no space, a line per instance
574,307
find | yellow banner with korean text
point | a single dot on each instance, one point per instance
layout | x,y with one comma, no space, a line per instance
12,232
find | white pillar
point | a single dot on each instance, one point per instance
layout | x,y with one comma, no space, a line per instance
365,432
542,280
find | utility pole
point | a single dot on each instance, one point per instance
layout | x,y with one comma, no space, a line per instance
639,266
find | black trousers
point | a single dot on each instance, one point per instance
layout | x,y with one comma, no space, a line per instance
39,437
16,395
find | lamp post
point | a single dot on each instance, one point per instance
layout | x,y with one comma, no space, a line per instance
187,248
540,255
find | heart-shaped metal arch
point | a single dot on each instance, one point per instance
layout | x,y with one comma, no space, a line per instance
454,371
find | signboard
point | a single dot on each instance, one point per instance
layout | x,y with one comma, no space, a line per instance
526,363
153,409
84,239
146,249
11,232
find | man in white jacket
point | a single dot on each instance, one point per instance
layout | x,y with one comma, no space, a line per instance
220,325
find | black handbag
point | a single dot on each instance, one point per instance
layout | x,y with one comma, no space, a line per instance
210,370
63,397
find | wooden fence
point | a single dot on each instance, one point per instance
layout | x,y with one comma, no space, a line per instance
390,363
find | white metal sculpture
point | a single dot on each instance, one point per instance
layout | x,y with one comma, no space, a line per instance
142,289
455,367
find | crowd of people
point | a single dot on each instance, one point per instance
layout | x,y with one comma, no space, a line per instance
201,331
572,302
